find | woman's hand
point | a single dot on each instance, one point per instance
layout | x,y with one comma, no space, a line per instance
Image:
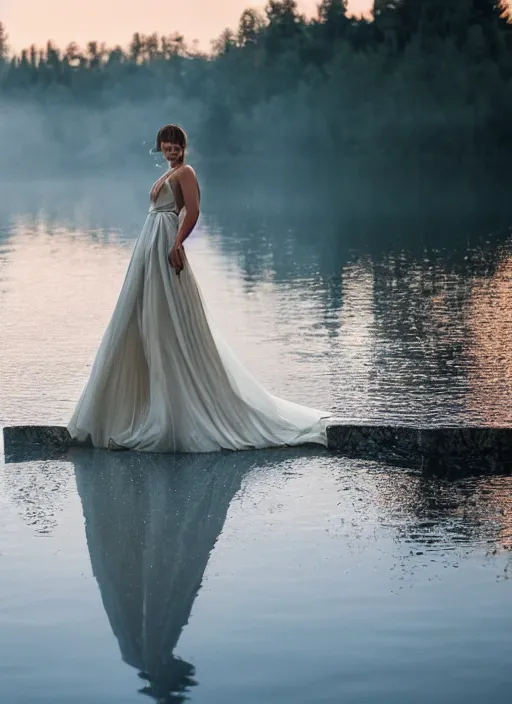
177,258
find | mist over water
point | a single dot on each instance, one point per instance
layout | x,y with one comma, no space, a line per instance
373,297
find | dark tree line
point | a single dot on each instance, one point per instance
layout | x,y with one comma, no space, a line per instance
420,77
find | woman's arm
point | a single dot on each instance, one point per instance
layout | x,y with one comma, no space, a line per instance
187,180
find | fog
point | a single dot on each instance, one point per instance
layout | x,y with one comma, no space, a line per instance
418,81
397,125
38,140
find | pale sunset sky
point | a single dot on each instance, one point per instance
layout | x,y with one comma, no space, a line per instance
114,21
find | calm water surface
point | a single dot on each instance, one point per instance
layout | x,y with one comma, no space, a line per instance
283,576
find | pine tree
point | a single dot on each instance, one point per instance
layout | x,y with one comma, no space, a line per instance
333,17
4,48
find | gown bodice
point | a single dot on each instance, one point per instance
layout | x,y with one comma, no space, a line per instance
165,200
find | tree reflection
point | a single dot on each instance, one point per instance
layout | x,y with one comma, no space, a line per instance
303,227
489,354
440,512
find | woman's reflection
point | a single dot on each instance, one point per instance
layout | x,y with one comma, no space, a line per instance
151,522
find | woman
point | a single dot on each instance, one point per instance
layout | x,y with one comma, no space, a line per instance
164,379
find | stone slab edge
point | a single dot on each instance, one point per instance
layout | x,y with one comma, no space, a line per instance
434,442
52,436
379,441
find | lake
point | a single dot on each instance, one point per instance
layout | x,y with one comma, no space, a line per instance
272,576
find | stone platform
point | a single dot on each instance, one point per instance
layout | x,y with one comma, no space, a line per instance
470,449
37,441
481,449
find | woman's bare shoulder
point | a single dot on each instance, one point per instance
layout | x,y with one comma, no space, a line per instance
186,171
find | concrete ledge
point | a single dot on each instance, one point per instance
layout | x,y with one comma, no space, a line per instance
37,434
19,439
462,448
484,447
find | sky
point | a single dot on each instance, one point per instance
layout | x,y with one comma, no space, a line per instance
114,21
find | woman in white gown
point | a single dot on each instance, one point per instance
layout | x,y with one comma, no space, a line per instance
164,380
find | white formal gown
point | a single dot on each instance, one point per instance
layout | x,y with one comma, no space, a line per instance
164,379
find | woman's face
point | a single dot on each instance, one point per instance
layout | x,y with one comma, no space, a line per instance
172,152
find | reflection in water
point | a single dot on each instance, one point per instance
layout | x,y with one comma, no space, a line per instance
350,530
352,346
411,272
151,523
38,489
420,327
43,345
443,514
379,314
490,346
88,204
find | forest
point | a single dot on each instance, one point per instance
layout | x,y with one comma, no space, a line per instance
417,78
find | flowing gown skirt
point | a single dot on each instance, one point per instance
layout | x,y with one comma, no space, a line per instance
164,380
